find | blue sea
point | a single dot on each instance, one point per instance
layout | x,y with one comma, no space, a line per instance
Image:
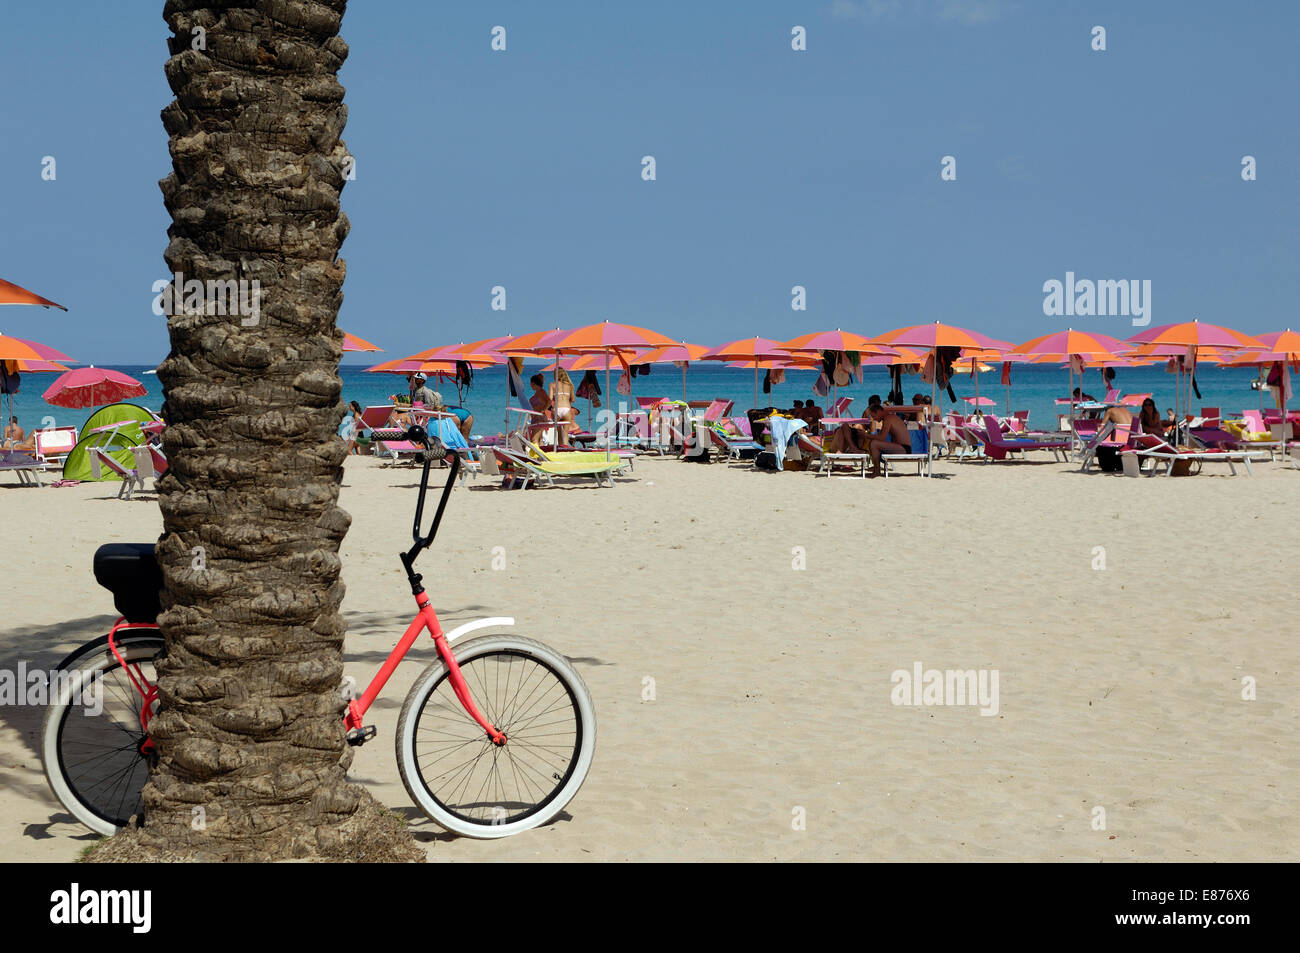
1033,387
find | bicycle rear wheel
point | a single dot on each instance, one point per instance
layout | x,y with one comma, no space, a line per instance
467,784
91,738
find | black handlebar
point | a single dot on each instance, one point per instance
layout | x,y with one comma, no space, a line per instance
420,436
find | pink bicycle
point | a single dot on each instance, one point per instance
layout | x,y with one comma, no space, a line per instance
493,739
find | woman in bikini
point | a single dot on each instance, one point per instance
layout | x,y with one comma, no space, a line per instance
562,394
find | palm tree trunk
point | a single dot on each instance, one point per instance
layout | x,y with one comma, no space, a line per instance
252,756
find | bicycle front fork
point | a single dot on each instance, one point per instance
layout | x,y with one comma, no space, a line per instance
426,619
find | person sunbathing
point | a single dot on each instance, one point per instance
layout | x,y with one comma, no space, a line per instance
16,438
890,437
1119,415
1151,421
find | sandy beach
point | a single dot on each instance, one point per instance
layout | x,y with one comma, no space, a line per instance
744,703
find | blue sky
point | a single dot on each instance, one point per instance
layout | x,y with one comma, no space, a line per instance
775,168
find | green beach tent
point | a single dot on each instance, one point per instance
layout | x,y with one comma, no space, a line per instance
125,433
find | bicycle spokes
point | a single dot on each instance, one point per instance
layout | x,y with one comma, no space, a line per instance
478,780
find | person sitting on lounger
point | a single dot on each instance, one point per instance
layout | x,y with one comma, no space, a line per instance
16,438
1119,415
1081,398
1150,420
890,437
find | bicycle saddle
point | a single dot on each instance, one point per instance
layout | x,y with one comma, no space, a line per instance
130,572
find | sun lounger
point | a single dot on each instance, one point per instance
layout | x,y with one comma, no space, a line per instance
23,465
131,479
544,473
734,448
53,445
827,462
623,458
1110,435
1152,447
920,455
997,446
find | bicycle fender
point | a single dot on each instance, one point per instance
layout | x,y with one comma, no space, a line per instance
477,624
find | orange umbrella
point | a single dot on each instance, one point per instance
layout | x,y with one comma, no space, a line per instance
680,353
10,293
837,340
17,348
936,335
752,352
353,343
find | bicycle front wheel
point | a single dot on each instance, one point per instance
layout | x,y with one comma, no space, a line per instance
472,787
91,740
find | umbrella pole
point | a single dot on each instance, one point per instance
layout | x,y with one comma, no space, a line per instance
614,422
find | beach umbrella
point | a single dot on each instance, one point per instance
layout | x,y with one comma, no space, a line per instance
10,293
1068,344
935,335
607,337
92,387
1283,347
680,353
750,351
14,350
1193,336
838,340
24,366
353,343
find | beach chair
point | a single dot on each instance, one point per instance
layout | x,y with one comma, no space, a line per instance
53,445
131,479
23,465
544,473
997,446
622,458
1110,435
146,467
1154,448
840,408
716,410
733,448
920,454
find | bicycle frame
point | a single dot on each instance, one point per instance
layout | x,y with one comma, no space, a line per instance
425,618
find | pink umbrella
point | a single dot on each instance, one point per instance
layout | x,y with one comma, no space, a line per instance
92,387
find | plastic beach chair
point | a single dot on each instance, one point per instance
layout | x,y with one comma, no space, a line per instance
1152,447
131,479
920,455
998,447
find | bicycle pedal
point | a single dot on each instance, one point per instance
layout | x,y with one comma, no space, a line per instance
359,736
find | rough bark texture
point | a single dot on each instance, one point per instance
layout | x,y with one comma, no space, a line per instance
252,753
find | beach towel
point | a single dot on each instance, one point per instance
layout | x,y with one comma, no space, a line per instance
783,430
517,390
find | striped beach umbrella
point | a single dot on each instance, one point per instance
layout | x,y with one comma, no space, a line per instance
10,293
